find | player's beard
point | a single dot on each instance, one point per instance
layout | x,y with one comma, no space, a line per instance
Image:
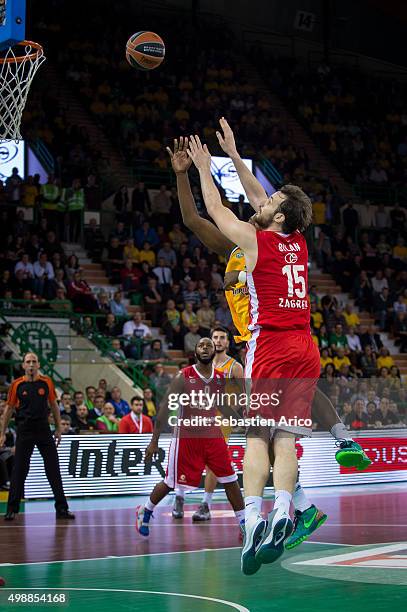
205,360
263,220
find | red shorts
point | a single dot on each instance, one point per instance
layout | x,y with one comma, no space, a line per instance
188,458
287,364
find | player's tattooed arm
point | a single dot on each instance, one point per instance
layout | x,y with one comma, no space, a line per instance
253,188
242,233
205,230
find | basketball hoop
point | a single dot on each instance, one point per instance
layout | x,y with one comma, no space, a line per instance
17,70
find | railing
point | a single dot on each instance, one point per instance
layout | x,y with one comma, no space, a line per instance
43,154
131,367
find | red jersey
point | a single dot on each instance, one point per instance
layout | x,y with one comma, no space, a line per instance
205,396
278,283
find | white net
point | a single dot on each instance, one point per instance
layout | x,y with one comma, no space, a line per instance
18,66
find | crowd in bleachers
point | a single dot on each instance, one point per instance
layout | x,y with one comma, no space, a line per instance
158,266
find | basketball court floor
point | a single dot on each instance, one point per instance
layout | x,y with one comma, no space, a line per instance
357,560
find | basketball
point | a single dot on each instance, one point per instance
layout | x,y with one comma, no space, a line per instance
145,50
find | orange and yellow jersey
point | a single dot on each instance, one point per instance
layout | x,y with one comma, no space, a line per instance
227,368
238,297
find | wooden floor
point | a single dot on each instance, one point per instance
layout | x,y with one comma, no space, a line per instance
99,561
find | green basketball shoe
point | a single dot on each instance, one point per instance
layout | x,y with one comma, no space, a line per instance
351,454
305,523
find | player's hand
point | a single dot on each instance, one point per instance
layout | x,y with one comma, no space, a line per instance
180,161
199,153
57,436
2,439
227,139
230,279
151,450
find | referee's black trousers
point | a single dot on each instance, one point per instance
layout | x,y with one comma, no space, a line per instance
28,436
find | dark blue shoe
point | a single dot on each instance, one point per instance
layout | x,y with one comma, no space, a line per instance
143,517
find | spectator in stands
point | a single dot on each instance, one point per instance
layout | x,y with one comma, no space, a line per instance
177,236
153,301
379,282
74,198
81,295
351,318
359,418
140,203
384,360
206,317
144,234
383,308
168,254
373,415
372,338
116,353
338,339
121,406
113,259
90,392
363,291
340,358
81,420
154,352
368,361
160,380
44,272
188,316
131,252
72,266
171,325
136,421
222,313
191,339
161,206
97,410
66,425
103,303
110,326
135,329
149,407
121,203
353,341
28,270
117,307
163,273
65,404
108,422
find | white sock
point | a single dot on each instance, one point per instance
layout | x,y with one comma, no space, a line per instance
300,500
180,493
239,514
207,498
340,432
282,502
150,506
252,507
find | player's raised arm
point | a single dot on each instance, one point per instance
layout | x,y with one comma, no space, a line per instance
242,233
206,231
254,190
175,388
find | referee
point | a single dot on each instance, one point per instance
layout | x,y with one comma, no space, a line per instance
31,396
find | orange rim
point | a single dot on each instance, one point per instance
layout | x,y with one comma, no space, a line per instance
22,58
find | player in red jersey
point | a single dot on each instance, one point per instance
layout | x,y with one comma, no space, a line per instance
195,391
281,347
